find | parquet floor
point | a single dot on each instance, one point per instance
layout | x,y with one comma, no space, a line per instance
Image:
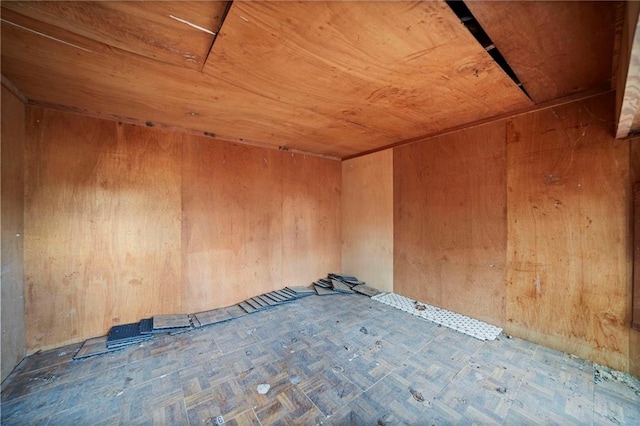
333,360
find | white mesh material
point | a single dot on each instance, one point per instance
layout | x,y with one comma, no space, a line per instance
472,327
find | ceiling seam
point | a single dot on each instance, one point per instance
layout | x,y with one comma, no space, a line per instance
475,29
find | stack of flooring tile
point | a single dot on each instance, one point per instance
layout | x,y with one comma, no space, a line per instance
124,335
216,316
342,284
274,298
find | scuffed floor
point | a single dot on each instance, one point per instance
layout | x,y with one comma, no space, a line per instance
342,359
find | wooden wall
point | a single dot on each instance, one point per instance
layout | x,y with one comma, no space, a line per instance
525,223
634,336
450,221
367,219
12,228
125,222
568,253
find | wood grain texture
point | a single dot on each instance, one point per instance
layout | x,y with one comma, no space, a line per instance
315,76
12,226
143,28
367,219
311,221
635,303
628,81
568,253
450,222
634,352
102,226
555,48
383,82
255,220
232,223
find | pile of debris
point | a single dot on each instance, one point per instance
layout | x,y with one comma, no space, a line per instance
337,284
128,334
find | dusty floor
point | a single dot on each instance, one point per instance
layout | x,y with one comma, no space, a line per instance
332,360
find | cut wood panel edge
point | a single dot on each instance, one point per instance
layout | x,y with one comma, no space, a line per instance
628,78
539,107
13,89
177,129
216,33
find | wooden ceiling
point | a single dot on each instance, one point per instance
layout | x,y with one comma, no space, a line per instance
333,78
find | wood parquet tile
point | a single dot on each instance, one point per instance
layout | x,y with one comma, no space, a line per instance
340,360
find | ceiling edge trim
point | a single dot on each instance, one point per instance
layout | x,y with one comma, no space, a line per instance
539,107
175,129
14,89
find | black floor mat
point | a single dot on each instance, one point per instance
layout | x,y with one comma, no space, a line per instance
125,334
146,326
321,291
247,307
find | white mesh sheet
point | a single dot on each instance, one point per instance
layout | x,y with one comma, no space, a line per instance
463,324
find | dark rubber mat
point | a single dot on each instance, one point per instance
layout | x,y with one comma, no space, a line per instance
322,283
236,311
267,300
321,291
366,290
290,293
126,334
213,317
195,321
247,307
171,321
343,277
301,291
277,299
92,347
341,287
260,303
146,326
284,295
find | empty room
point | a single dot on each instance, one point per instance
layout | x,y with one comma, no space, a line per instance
320,212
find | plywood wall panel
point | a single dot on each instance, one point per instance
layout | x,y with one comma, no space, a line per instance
450,221
367,219
311,221
568,255
102,226
232,223
12,228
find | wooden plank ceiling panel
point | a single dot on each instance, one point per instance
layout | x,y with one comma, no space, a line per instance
95,80
175,32
403,69
335,78
555,48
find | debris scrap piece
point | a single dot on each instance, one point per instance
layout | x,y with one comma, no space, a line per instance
263,388
416,395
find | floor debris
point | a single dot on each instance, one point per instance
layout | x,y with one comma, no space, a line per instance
128,334
604,374
416,395
263,388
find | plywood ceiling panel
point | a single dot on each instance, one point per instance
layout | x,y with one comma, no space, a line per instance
334,78
175,32
556,48
398,68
